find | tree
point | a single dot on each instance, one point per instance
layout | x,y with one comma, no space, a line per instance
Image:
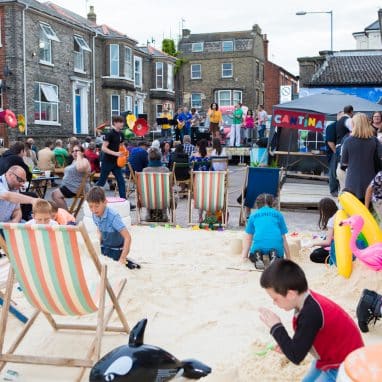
168,46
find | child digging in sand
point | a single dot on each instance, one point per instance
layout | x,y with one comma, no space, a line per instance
321,327
265,233
114,237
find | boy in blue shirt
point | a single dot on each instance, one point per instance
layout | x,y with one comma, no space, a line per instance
265,233
114,237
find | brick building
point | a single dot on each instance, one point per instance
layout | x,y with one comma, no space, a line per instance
222,67
67,75
276,76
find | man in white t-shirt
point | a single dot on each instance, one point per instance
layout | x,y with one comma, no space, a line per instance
262,118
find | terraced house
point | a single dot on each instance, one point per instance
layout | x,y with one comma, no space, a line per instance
67,75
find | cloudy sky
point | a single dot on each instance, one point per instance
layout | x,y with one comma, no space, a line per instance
290,36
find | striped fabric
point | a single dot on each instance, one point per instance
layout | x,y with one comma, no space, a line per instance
47,265
209,190
154,189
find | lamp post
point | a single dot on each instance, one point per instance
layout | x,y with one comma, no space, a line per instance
303,13
380,21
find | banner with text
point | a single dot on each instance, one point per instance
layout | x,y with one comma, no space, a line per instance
298,120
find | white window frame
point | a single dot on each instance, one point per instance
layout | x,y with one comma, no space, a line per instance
197,47
128,63
237,97
224,70
45,47
225,47
193,77
158,110
49,32
129,103
138,72
170,77
234,96
159,75
114,112
50,104
79,57
114,60
196,104
47,35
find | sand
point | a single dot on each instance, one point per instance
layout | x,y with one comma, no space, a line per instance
201,302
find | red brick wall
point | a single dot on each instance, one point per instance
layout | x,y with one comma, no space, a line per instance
273,79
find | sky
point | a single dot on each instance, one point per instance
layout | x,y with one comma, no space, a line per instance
289,36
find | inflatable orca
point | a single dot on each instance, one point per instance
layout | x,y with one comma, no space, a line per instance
137,362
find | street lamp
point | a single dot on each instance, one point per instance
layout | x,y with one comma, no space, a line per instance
303,13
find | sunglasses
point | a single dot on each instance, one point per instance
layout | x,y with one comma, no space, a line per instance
75,151
18,178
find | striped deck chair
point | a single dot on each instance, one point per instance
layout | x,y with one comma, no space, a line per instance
209,193
155,191
48,264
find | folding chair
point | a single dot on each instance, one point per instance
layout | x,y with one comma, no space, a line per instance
155,192
181,173
208,193
49,267
259,180
80,196
4,270
131,181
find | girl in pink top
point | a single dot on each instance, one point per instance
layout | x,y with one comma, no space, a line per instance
249,124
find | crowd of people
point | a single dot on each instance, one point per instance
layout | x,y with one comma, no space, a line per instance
245,128
355,165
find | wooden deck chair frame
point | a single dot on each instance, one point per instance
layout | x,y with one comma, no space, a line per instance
131,181
269,182
155,182
4,266
79,198
24,242
210,192
178,183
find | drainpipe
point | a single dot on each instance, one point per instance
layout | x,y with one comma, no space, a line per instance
25,72
94,87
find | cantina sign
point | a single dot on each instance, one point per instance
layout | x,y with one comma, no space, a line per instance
298,120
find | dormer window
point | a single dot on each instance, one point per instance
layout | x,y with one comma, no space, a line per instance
197,47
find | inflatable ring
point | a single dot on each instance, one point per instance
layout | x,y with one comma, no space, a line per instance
10,118
353,206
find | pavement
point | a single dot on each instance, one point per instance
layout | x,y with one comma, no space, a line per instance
297,220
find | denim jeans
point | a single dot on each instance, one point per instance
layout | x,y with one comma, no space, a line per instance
317,375
333,181
106,168
262,131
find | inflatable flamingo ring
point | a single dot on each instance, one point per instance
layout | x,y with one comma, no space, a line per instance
372,255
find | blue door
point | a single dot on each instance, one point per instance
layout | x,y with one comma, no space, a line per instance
78,112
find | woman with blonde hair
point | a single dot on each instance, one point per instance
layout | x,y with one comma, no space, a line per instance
360,153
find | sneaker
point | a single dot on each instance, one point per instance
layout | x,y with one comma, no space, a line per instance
368,308
272,256
257,259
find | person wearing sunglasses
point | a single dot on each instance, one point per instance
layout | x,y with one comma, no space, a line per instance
10,196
